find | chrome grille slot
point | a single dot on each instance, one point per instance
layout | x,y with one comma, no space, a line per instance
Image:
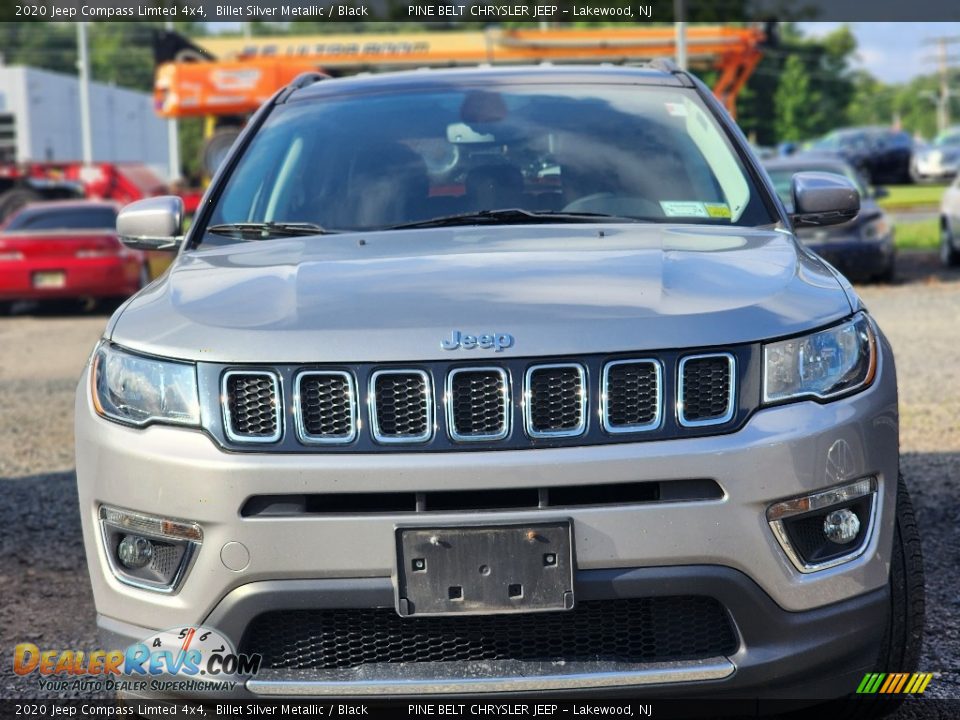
632,395
478,404
707,389
326,407
251,406
555,400
401,406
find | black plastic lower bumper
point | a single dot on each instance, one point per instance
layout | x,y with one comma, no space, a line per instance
815,654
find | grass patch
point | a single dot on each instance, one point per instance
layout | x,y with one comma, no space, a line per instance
908,196
917,235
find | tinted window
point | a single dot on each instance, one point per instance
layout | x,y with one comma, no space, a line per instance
376,161
94,218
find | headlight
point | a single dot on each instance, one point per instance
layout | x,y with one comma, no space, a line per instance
825,364
138,390
875,229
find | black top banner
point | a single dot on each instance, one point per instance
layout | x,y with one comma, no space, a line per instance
453,12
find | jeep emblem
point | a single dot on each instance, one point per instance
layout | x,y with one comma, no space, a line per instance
495,341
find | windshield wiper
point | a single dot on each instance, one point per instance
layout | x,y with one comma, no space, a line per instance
513,216
266,230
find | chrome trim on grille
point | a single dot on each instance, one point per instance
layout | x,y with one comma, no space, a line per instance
527,409
448,401
604,414
305,437
277,407
372,406
497,676
731,396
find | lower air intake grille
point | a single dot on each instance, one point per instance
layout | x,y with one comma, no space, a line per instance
402,406
556,395
478,404
326,409
706,389
252,406
637,630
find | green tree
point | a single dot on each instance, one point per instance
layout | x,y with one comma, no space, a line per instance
796,103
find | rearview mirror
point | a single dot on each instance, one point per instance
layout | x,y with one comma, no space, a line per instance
821,198
152,224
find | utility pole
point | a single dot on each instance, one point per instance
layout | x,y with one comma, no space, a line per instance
943,59
173,139
680,27
83,65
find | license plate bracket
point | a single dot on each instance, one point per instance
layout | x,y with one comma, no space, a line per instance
484,569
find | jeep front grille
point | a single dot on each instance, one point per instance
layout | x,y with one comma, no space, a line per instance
556,400
251,406
478,404
401,406
326,410
632,396
508,403
706,389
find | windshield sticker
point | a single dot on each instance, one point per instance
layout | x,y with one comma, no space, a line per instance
676,109
717,210
683,208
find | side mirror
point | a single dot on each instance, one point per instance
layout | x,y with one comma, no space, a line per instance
821,198
152,224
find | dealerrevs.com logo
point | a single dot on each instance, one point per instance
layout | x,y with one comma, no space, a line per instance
178,660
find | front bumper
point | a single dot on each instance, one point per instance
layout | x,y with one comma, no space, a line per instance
935,168
819,653
723,548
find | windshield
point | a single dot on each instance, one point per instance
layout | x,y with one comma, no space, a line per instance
948,137
93,218
782,178
363,162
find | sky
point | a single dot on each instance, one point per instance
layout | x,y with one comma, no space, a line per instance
894,52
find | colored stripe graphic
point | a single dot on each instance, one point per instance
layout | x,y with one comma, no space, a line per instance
894,683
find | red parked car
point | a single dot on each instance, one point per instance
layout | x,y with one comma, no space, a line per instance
68,249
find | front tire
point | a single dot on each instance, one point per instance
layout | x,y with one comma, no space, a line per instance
949,255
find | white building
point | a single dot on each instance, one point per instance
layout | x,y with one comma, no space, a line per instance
40,121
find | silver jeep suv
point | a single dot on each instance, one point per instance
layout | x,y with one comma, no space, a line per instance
501,380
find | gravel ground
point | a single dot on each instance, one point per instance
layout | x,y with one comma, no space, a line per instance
45,593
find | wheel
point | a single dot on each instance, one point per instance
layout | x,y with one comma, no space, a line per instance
949,255
889,273
902,637
14,199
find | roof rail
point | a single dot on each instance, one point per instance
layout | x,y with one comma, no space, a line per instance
669,66
665,64
301,81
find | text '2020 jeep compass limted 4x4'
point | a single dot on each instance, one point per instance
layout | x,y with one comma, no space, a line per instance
501,380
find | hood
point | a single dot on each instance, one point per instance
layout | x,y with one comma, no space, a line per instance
557,289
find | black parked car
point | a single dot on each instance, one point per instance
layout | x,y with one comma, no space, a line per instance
863,248
879,154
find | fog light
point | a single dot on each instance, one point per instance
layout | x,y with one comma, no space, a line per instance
147,551
135,552
826,528
841,526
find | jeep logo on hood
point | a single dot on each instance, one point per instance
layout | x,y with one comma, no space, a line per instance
493,341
